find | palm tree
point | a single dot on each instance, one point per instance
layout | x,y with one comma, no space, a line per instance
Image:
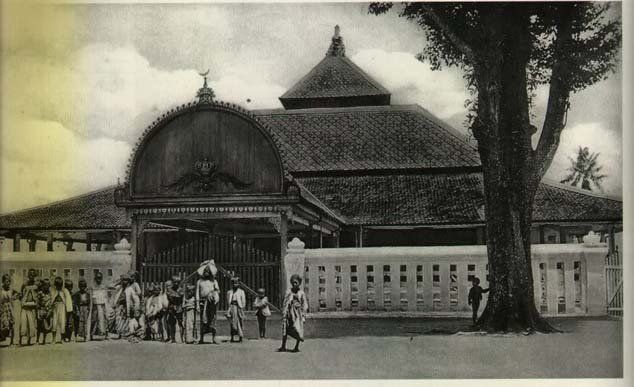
584,170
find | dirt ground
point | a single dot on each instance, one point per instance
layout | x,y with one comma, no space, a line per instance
339,349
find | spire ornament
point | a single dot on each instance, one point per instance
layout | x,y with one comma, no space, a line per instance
205,94
337,48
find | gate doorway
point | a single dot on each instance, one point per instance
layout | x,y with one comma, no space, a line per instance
614,283
255,268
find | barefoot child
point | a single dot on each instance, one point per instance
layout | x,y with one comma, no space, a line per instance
261,305
71,317
154,313
28,314
44,311
81,309
98,312
236,301
174,308
189,315
294,314
7,319
62,303
475,296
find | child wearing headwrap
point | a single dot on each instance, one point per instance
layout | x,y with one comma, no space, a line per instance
82,308
189,315
62,303
294,314
236,301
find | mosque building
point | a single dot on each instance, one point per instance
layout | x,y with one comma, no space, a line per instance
337,166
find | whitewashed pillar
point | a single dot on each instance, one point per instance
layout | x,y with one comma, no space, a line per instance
294,259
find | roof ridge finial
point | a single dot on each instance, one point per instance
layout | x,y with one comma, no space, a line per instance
205,94
337,47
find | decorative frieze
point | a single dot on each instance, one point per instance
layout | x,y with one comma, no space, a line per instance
198,210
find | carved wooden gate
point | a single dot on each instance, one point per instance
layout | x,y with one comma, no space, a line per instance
255,268
614,283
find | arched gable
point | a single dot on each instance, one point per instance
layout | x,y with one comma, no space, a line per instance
205,150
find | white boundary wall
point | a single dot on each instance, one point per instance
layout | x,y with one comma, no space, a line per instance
569,278
67,264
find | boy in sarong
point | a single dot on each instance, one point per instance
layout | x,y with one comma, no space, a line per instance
44,311
294,314
174,309
99,309
62,304
189,315
154,313
261,305
71,318
28,315
7,318
81,308
236,300
207,297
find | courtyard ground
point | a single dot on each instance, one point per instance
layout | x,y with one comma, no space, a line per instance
339,348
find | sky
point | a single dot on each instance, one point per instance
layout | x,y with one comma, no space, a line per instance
80,83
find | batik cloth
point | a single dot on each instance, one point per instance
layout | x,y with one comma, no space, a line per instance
6,313
189,320
294,314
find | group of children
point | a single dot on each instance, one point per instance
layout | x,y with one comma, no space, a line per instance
158,314
54,309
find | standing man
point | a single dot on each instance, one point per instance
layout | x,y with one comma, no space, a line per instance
207,297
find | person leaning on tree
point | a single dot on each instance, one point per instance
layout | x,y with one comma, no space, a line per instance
475,296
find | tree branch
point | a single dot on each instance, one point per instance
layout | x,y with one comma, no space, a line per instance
558,95
458,42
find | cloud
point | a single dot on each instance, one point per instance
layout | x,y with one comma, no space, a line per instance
598,139
72,122
45,161
412,81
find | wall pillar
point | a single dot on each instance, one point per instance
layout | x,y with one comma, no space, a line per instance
542,237
134,243
480,239
283,246
562,235
16,242
612,241
49,242
88,241
294,260
32,244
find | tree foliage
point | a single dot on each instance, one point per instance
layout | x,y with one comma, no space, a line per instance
584,170
461,35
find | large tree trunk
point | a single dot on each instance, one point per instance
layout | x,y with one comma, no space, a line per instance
504,132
